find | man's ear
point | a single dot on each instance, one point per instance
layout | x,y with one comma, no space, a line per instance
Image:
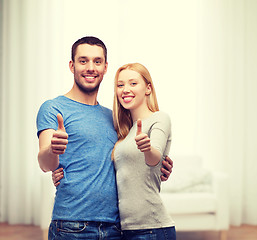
105,67
71,66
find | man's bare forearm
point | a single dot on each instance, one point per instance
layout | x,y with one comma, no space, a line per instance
48,161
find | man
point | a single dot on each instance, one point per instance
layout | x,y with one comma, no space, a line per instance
86,204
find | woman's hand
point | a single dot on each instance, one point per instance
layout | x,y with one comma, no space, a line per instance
142,140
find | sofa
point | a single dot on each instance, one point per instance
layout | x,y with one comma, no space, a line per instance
197,198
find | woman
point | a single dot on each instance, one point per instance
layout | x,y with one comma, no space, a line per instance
144,137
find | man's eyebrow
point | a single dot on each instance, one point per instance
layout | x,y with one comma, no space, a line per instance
95,59
99,58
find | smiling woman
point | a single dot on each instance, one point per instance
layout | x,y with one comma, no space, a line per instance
143,142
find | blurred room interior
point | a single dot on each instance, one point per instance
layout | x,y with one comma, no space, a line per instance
202,56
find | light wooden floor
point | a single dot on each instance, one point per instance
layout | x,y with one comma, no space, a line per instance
245,232
28,232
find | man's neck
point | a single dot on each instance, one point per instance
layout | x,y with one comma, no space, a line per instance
85,98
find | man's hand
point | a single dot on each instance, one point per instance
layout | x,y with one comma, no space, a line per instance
52,143
167,168
60,137
142,140
57,175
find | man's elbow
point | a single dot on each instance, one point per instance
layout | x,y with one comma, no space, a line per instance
42,167
41,163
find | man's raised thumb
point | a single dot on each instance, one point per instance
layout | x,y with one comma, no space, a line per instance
60,122
139,126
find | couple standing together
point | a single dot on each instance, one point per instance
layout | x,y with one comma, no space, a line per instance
110,163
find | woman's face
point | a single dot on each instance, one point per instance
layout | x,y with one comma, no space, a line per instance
132,90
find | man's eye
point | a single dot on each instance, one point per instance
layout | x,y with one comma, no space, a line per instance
82,61
98,62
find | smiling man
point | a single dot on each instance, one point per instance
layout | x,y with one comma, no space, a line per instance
76,134
89,66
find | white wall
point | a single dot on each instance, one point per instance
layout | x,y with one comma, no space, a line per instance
162,35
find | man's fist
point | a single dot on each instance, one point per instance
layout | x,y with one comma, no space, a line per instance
60,137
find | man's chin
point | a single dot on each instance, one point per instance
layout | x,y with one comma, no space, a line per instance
88,89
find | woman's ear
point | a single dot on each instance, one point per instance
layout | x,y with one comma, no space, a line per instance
148,89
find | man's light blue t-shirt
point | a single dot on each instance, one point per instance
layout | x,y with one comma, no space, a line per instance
88,190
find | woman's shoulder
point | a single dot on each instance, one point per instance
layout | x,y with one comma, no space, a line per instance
161,115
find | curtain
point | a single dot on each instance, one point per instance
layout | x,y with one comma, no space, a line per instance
250,152
227,80
201,55
30,46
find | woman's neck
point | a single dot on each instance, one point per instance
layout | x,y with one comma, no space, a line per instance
140,113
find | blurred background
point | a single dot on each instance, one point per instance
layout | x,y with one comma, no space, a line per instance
201,54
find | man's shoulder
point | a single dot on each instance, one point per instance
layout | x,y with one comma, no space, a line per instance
106,110
50,107
53,103
55,100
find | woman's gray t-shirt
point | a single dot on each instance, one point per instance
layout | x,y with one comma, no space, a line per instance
138,184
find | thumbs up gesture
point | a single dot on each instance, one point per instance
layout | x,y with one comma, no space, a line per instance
60,137
142,139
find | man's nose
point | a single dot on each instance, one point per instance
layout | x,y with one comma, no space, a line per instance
90,66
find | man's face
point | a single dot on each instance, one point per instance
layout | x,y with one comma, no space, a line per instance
89,67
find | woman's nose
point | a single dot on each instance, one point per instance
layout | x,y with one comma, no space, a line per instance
126,88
